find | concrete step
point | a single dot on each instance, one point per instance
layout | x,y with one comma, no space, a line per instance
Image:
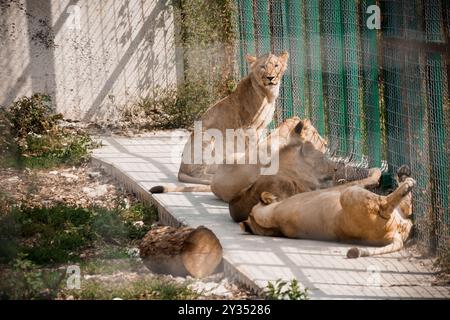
142,162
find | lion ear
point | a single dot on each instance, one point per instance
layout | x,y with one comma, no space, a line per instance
299,127
267,198
284,56
250,59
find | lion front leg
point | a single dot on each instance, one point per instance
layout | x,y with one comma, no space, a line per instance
372,180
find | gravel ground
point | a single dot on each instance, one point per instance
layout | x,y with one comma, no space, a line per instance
86,186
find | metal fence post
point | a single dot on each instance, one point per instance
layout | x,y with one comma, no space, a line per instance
371,101
334,76
314,54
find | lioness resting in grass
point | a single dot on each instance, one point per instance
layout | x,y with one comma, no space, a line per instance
250,106
339,214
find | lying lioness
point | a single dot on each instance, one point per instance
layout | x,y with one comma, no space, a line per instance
303,167
339,214
231,179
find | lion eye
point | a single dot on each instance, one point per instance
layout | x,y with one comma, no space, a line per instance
276,66
262,66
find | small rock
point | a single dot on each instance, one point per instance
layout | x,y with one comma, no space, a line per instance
94,174
221,291
179,279
138,223
54,173
203,287
69,176
13,179
127,203
98,191
70,298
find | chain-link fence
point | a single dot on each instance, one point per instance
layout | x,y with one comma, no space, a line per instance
381,97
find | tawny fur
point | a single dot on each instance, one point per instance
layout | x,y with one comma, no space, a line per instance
251,105
231,179
303,167
343,213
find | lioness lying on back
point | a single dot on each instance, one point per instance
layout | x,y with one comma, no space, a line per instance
339,214
251,105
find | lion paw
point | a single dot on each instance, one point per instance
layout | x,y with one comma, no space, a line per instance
403,172
411,183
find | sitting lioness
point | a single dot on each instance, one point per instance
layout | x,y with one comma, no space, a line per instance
341,213
303,167
250,106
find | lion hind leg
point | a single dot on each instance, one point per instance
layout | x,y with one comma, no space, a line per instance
395,198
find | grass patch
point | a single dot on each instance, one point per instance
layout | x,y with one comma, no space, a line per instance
31,137
24,280
144,288
58,234
109,266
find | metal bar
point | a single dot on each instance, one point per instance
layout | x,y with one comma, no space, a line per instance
248,29
371,99
279,41
295,11
288,107
351,77
315,64
263,26
438,142
240,43
332,33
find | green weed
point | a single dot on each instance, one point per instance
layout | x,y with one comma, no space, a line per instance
281,290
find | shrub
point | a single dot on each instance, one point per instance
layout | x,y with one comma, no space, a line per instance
280,290
32,137
141,288
23,280
58,234
170,108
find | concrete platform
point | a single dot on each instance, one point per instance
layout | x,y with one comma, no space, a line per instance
142,162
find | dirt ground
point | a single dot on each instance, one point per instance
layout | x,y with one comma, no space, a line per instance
86,186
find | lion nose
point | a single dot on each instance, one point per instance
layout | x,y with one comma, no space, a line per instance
270,78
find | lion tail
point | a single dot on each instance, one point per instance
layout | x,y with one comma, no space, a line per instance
164,189
396,245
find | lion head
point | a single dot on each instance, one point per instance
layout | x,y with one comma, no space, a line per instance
269,68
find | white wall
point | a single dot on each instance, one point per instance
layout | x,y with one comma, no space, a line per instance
93,56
